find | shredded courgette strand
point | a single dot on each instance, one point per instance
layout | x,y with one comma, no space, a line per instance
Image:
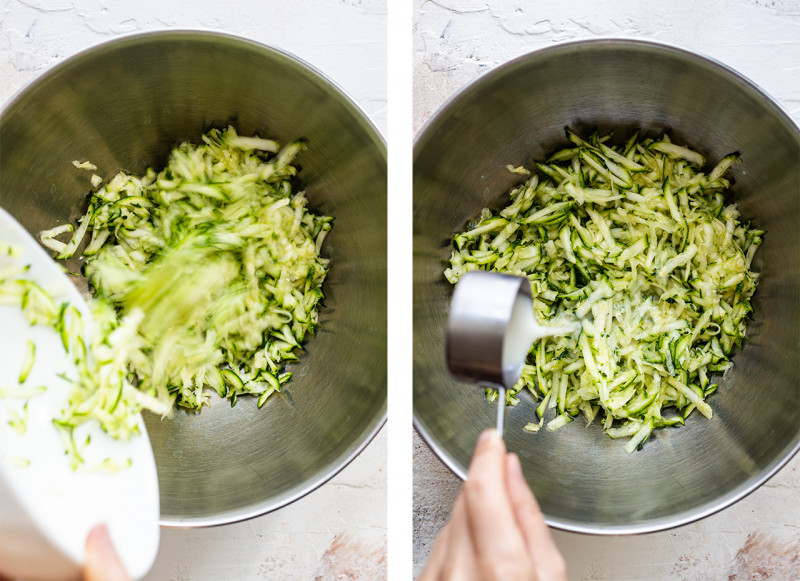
207,275
638,243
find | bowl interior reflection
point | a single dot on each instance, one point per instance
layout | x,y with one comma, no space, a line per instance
516,114
125,105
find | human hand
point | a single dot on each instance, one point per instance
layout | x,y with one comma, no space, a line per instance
102,562
496,530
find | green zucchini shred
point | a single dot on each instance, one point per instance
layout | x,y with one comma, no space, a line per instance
638,243
207,271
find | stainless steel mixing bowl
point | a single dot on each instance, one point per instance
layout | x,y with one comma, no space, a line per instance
517,113
124,105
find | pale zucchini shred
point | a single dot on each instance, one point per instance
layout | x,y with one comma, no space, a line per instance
94,394
637,241
89,398
212,265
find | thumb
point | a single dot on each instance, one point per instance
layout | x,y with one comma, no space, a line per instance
102,562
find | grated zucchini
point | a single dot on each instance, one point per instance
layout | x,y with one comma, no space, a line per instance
638,243
206,275
91,396
27,361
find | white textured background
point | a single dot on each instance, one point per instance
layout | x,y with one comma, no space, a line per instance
456,41
338,531
345,39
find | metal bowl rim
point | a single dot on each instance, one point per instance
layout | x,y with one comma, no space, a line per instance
257,509
196,34
231,517
575,45
429,128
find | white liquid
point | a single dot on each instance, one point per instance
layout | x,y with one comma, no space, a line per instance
520,334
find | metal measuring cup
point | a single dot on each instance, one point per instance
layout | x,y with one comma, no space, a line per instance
490,329
480,312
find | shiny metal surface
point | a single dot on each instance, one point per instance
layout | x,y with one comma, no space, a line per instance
515,114
480,313
124,105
